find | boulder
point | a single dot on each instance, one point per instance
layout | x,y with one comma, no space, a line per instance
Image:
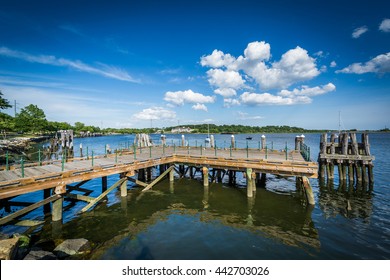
72,247
39,254
8,248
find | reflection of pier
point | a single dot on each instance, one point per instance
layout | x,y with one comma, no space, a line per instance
346,200
54,178
269,215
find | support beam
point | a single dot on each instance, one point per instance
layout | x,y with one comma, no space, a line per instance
56,212
138,182
97,199
27,209
79,197
158,179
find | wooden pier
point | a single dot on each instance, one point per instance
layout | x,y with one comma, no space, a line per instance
54,178
353,159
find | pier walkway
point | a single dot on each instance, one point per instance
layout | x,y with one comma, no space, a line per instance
54,178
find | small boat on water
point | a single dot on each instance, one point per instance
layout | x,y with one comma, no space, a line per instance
249,138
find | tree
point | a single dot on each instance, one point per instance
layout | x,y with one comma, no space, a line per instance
4,103
31,118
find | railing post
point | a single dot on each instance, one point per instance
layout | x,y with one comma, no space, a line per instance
39,157
150,151
62,163
135,152
87,154
266,152
247,150
116,156
196,143
230,150
92,157
286,150
201,150
22,165
215,149
105,150
174,147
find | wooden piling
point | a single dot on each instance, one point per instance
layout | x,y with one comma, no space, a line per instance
263,142
104,183
249,186
172,175
123,188
205,172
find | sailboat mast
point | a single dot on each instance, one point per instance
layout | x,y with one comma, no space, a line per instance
339,122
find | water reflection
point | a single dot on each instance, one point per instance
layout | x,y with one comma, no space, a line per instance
348,200
211,220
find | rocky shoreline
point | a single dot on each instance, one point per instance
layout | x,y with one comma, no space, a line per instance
20,247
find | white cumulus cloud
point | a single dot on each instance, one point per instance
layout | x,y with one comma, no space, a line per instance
379,64
155,113
217,59
333,64
308,91
385,25
199,107
357,32
225,78
188,96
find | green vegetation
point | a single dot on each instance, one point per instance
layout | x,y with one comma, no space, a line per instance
32,119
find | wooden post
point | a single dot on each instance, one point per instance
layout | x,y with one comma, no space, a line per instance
253,181
344,144
232,143
366,144
104,183
323,143
370,174
358,172
350,173
172,175
46,194
355,149
364,174
183,141
249,187
263,141
124,188
57,205
205,171
308,190
340,168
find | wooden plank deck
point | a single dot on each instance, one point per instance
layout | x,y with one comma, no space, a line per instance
49,176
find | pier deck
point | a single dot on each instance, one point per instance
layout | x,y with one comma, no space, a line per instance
57,174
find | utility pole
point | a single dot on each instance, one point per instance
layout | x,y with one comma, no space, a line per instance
15,108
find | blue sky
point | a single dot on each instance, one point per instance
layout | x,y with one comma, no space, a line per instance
161,63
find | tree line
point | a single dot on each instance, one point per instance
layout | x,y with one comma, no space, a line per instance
32,119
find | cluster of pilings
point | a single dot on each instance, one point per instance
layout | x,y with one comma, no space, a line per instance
353,160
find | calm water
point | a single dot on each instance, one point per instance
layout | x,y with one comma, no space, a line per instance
182,220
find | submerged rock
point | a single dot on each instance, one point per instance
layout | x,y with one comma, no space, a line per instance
72,247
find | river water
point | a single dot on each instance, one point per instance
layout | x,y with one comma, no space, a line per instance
182,220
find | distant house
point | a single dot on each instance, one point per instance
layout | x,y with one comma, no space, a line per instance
181,130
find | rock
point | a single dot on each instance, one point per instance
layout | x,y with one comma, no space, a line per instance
8,248
72,247
39,254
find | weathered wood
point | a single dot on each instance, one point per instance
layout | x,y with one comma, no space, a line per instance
124,188
205,172
249,185
27,209
172,175
56,212
97,199
308,190
138,182
158,179
366,144
104,183
79,197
